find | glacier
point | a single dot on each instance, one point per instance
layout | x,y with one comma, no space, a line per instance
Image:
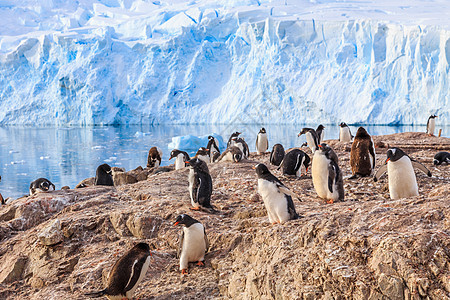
111,62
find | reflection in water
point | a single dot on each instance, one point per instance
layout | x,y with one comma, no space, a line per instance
68,155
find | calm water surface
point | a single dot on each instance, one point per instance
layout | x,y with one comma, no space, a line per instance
68,155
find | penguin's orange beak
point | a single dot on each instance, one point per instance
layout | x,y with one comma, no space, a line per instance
320,146
299,134
176,223
254,167
387,159
186,162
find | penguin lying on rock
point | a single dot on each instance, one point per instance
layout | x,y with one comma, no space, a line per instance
41,185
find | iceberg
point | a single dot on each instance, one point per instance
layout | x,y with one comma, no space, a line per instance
223,62
191,143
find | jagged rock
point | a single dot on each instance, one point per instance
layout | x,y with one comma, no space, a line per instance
7,212
143,225
118,220
123,178
12,270
391,286
86,182
51,234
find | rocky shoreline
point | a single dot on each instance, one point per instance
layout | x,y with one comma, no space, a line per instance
62,244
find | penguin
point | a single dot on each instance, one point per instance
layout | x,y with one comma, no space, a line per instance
319,132
277,154
241,144
181,157
233,136
203,154
103,175
126,274
193,243
200,184
311,138
262,144
233,154
362,154
276,196
2,200
401,176
344,133
41,185
213,148
154,157
292,162
326,175
431,124
441,158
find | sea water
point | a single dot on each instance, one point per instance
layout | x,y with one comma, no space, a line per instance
67,155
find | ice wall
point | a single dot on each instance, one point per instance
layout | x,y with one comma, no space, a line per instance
133,62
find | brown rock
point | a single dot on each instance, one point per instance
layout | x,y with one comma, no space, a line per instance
12,270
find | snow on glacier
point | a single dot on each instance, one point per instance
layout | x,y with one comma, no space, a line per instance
242,61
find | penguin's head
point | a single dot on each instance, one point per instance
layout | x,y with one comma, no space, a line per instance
304,131
202,151
144,247
45,185
394,154
105,168
320,127
362,132
174,153
324,148
435,162
261,169
433,116
210,138
343,124
185,220
237,157
262,130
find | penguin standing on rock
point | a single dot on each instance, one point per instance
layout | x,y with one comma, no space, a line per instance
154,157
276,196
311,138
362,155
262,144
326,175
213,148
232,154
431,124
277,154
41,185
401,176
233,136
441,158
126,274
203,154
293,161
200,184
181,157
344,133
319,132
193,243
103,175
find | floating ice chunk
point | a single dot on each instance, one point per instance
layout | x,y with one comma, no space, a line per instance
191,142
18,162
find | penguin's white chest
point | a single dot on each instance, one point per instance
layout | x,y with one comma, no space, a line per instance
344,134
194,245
431,126
310,141
191,179
274,201
319,172
179,162
228,157
262,144
205,158
402,179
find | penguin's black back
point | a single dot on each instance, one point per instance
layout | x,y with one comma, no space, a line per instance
441,158
103,175
292,161
203,188
277,154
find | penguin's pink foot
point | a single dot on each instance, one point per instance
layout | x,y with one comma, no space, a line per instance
184,272
200,263
195,208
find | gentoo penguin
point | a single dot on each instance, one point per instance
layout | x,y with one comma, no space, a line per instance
344,133
203,154
326,175
213,148
319,132
193,243
401,176
181,157
431,124
311,138
232,137
276,196
126,274
441,158
241,144
200,184
2,200
233,154
103,175
154,157
293,161
41,185
362,155
277,154
262,144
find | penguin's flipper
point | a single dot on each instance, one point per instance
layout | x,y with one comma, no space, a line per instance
267,143
421,167
291,208
136,270
285,190
256,143
206,240
332,176
96,294
380,172
180,244
372,153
